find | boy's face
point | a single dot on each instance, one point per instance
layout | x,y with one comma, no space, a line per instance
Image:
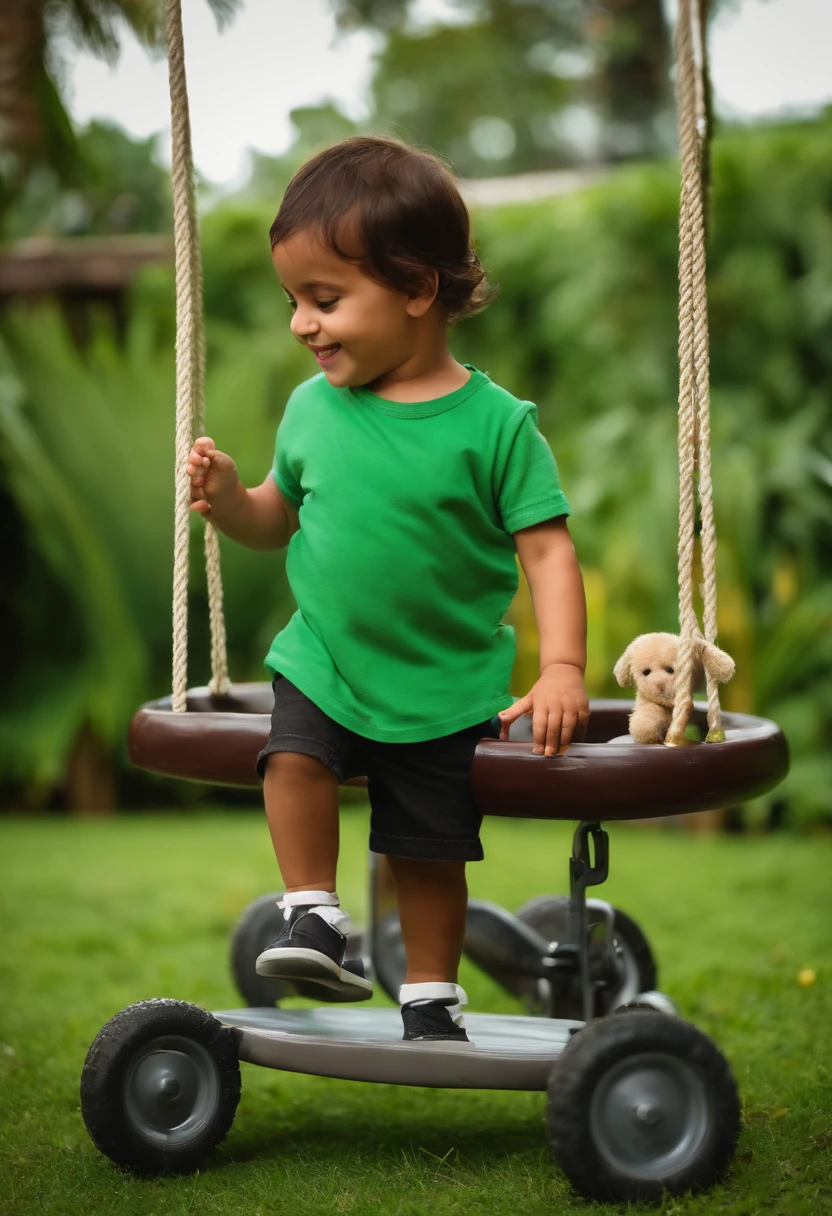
357,329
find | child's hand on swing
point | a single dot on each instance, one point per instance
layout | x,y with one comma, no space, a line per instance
214,480
559,709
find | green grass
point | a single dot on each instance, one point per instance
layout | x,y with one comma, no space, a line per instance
98,914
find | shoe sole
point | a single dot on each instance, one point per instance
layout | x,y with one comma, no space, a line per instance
435,1038
314,969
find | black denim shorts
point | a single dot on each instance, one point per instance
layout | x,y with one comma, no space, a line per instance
420,793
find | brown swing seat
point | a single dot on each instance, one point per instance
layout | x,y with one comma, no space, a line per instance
606,777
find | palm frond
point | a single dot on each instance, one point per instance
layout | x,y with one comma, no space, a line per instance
225,11
106,682
94,24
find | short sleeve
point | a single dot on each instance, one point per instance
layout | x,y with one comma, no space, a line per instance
287,466
528,488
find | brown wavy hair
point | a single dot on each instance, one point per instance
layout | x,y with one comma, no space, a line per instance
402,209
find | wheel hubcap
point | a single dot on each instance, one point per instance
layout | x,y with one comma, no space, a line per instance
171,1090
649,1115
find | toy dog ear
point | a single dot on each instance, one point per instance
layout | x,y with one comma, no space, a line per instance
623,670
716,662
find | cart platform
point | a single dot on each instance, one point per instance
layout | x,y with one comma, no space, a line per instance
505,1052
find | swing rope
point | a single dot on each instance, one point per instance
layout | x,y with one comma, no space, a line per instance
694,368
190,380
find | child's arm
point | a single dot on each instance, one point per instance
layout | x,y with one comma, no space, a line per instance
558,701
260,518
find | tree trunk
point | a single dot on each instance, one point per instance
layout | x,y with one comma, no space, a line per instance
90,787
632,86
22,50
34,125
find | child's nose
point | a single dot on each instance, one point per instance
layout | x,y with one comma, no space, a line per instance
303,324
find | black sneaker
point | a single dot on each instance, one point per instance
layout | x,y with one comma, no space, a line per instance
431,1020
309,952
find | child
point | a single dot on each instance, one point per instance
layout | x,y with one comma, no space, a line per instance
403,483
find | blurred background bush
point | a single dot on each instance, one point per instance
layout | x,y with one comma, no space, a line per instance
585,325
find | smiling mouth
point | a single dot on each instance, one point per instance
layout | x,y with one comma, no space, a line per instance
322,353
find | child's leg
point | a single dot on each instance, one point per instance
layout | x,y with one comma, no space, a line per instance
301,796
433,904
422,804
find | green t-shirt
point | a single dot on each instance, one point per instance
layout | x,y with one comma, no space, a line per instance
404,563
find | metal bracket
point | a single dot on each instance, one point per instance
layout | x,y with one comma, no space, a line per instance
588,867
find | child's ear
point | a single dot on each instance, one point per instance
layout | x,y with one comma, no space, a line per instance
623,670
423,292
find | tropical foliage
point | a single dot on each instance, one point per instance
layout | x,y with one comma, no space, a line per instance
121,187
585,326
36,134
543,83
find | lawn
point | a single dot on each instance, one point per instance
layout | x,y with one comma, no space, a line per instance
98,914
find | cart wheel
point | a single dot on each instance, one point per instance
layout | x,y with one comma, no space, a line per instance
548,915
639,1105
657,1002
258,926
160,1086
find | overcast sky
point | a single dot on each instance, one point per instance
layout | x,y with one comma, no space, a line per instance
767,56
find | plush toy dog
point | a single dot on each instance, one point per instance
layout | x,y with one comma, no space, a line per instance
649,665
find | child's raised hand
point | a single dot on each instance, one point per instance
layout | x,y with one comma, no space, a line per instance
213,475
558,706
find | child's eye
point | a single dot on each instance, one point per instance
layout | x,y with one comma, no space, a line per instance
325,304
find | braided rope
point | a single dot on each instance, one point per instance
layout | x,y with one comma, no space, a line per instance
190,378
694,390
702,361
219,682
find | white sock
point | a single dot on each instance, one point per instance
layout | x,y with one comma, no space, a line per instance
436,991
323,903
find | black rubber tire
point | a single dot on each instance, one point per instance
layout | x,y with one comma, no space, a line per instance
588,1156
113,1059
548,916
258,926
